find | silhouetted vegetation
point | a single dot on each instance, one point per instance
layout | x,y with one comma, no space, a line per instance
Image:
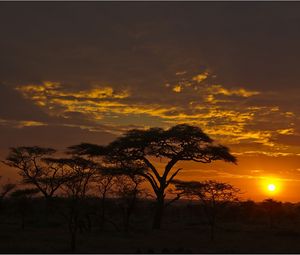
213,196
179,143
94,199
35,168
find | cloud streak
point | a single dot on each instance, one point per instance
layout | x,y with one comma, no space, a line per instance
228,117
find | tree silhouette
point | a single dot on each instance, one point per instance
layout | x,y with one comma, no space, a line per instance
103,179
22,198
272,208
75,184
36,168
6,188
104,186
92,151
179,143
213,195
112,174
128,191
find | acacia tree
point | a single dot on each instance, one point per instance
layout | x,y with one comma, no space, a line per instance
178,143
213,195
128,190
6,188
75,184
35,168
23,202
120,177
104,177
104,186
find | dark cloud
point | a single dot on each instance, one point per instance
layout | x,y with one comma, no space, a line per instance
142,44
14,107
52,136
290,140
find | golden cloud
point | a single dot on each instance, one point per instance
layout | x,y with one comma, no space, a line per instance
286,131
218,89
228,122
40,92
177,88
200,77
21,124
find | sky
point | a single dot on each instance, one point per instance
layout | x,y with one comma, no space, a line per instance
74,72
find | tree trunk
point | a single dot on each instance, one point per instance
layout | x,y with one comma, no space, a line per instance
73,242
212,231
23,221
48,209
212,223
129,211
73,226
89,223
102,213
158,212
126,226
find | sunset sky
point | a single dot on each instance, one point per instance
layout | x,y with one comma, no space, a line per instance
75,72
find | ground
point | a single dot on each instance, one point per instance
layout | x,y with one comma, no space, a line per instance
191,238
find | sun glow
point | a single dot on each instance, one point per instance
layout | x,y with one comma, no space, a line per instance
271,185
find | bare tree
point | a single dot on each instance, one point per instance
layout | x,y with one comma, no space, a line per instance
107,174
104,187
128,190
75,185
103,180
35,168
213,195
6,188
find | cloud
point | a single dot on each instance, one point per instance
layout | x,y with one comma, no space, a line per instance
14,107
200,77
48,89
180,73
231,121
177,88
289,139
21,124
286,131
220,90
267,153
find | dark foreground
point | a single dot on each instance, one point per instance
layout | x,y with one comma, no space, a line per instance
240,230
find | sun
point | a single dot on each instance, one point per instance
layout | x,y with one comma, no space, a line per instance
271,187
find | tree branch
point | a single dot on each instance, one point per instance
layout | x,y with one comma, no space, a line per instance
150,179
169,166
172,176
178,196
153,169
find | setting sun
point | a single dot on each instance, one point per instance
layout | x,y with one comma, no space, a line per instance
271,187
